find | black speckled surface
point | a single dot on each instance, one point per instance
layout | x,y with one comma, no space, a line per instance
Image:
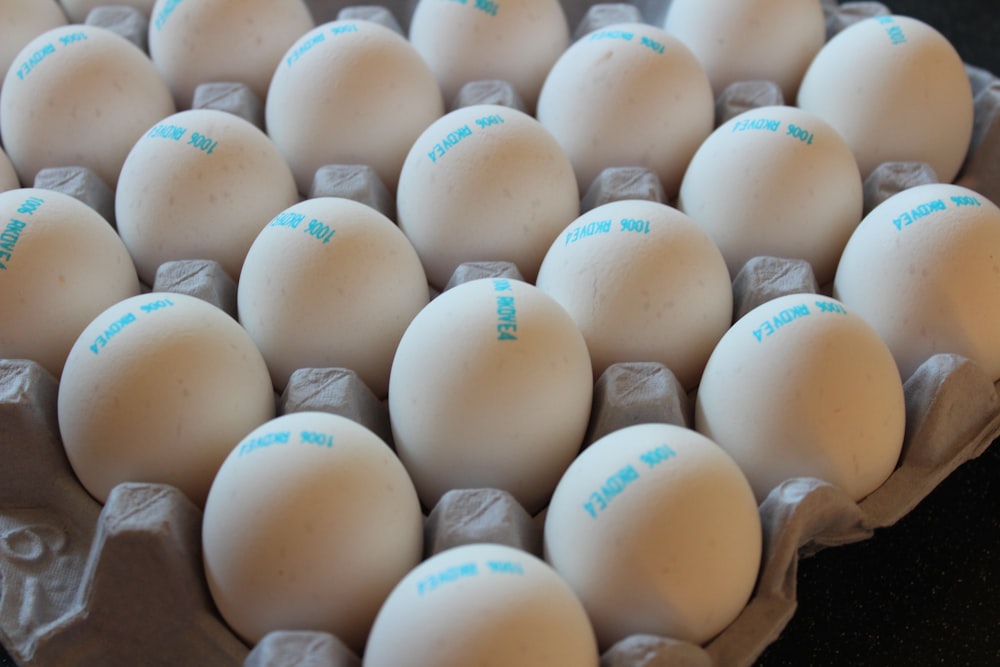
927,590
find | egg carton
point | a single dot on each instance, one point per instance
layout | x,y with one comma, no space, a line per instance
122,583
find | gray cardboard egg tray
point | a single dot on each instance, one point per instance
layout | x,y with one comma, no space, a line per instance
122,584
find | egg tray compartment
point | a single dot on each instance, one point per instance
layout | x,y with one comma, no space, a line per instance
84,584
123,584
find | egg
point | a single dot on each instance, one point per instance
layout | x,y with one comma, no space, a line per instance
309,524
629,95
736,40
330,283
485,183
350,92
8,177
491,387
23,20
516,41
643,282
199,184
480,604
775,181
77,10
79,95
223,40
920,268
803,386
656,530
61,265
158,388
897,91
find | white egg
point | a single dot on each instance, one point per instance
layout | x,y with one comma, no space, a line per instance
330,283
481,604
775,181
8,177
350,92
628,95
737,40
802,386
897,90
644,283
309,524
77,10
223,40
61,265
491,387
158,388
921,269
23,20
199,184
485,183
79,95
657,531
516,41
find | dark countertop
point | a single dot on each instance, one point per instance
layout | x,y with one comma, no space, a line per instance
927,590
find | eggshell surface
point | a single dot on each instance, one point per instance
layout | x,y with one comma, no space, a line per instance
350,92
79,95
223,40
775,181
482,604
23,20
309,524
656,530
485,183
516,41
737,40
802,386
8,177
896,90
920,268
644,283
158,388
199,184
628,95
330,283
61,265
490,387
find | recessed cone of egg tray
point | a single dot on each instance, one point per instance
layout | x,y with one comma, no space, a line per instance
122,583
